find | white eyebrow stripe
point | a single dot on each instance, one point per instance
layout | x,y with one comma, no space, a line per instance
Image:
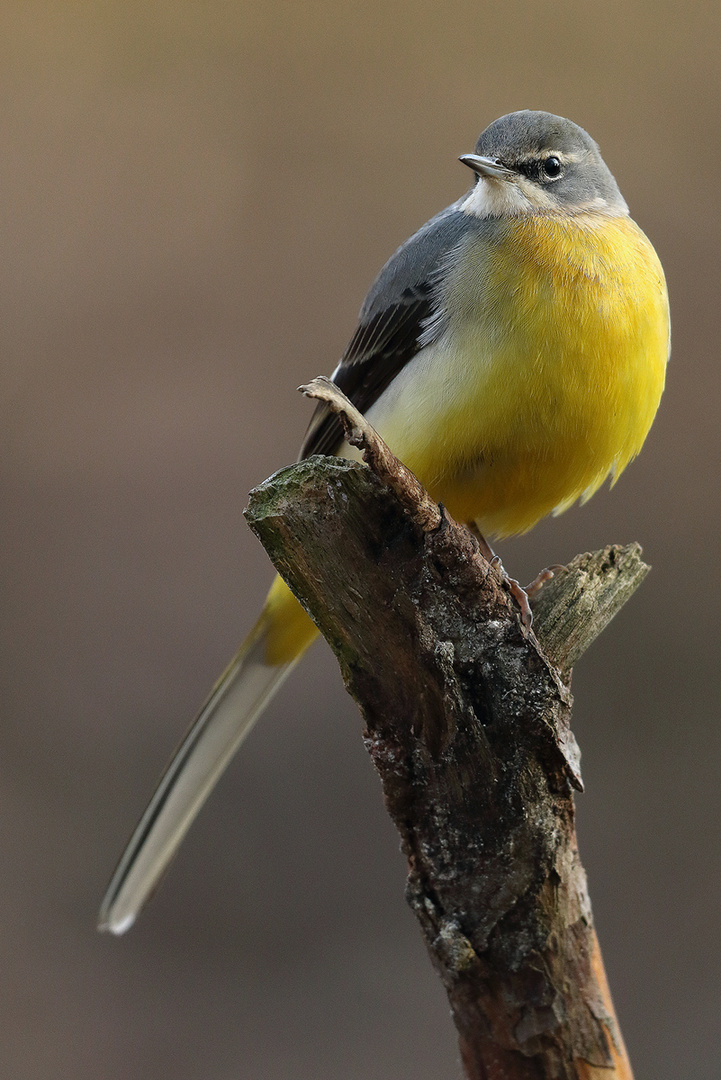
543,155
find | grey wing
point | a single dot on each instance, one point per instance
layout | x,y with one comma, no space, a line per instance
392,319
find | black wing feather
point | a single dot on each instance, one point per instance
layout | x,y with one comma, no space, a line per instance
377,351
392,320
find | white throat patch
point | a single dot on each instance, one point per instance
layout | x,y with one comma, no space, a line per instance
502,198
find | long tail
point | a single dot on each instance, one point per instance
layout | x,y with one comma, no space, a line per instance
266,657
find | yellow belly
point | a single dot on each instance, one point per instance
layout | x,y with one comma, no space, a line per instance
547,378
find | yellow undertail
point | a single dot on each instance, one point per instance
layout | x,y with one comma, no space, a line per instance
290,630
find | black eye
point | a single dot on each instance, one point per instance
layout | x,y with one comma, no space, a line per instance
552,167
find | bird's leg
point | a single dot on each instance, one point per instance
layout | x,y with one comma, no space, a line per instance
486,550
520,594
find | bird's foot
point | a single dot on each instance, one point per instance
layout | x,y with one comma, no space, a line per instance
519,594
522,594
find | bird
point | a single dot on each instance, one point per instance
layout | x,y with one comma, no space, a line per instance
512,353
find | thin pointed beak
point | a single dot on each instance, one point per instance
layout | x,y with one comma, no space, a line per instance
487,167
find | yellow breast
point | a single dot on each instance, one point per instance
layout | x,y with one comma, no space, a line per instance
548,374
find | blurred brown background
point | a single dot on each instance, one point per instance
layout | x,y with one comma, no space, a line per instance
195,197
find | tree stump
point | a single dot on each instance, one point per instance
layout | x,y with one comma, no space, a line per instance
467,719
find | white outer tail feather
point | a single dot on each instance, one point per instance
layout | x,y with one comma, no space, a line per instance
233,706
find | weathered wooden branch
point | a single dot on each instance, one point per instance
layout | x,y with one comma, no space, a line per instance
467,718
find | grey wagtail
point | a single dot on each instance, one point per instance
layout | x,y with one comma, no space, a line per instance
512,354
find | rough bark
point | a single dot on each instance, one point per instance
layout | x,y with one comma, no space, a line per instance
467,720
